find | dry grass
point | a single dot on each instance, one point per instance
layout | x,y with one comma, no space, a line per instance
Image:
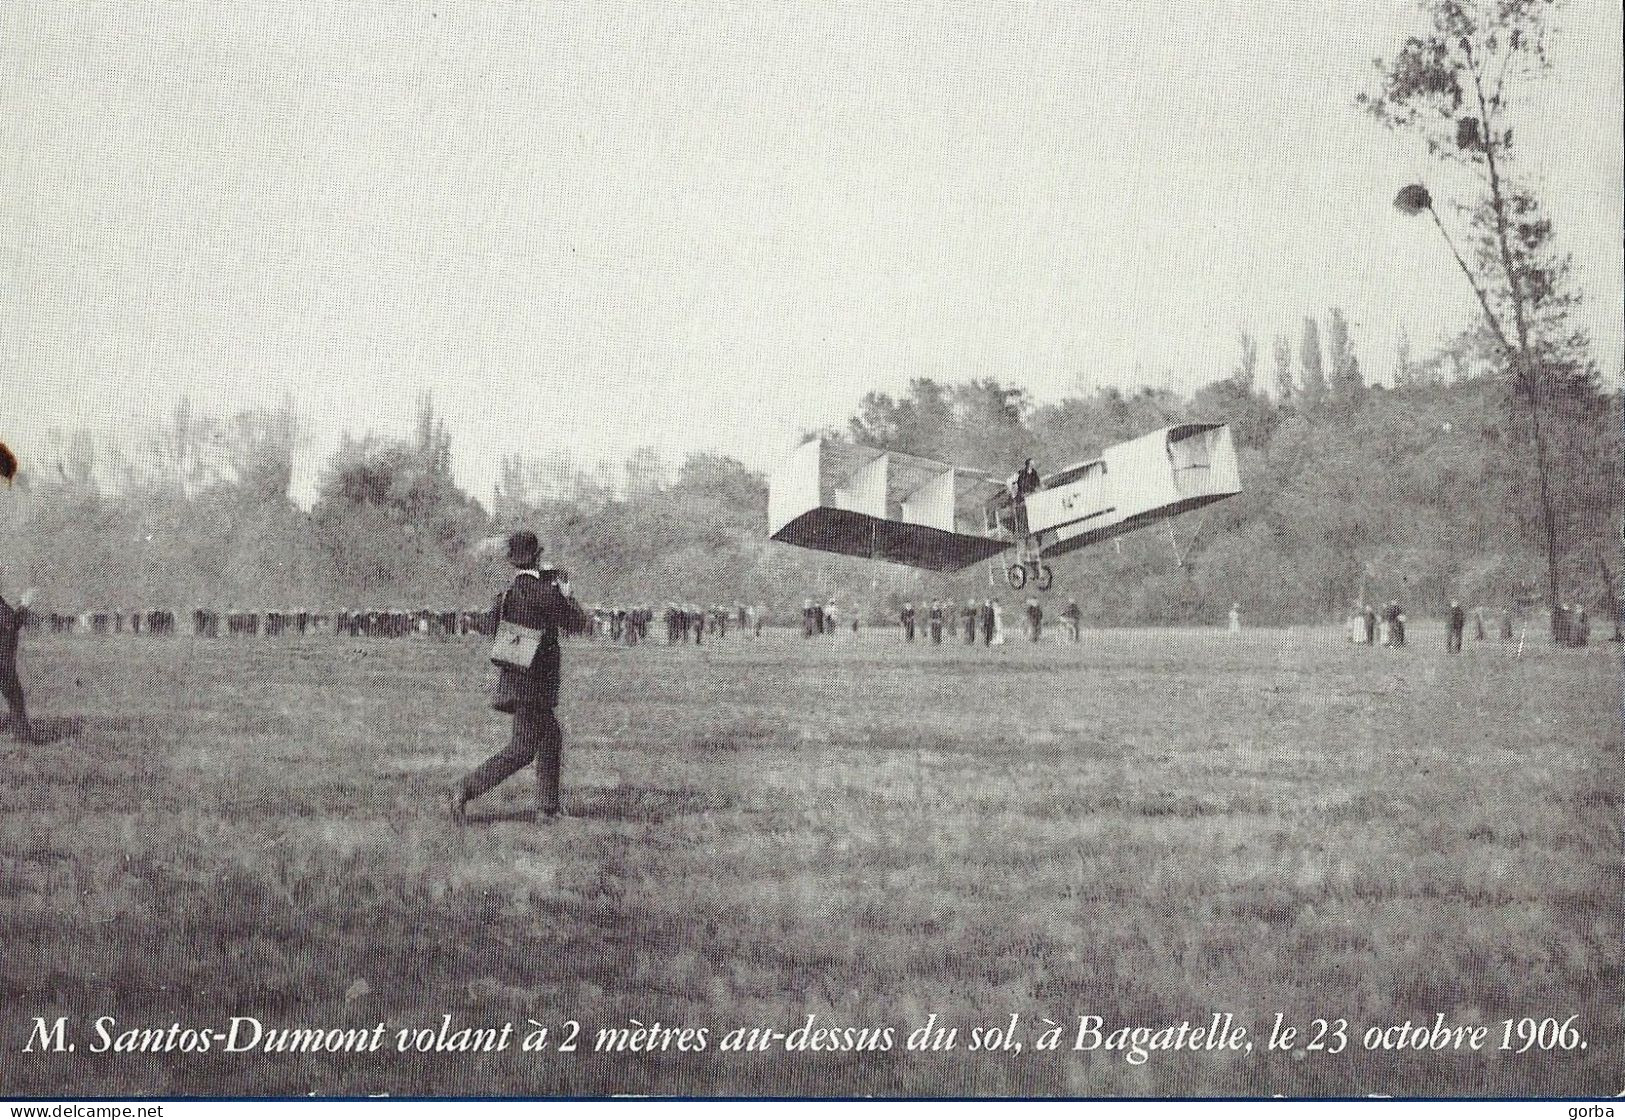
1150,827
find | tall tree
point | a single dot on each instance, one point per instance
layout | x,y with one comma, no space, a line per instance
1246,371
1283,369
1403,367
431,440
1347,386
1454,86
263,443
1314,372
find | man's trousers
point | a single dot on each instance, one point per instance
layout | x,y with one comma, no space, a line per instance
536,735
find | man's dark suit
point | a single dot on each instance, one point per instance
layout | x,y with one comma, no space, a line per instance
539,605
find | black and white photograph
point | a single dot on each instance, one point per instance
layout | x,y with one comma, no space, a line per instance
743,549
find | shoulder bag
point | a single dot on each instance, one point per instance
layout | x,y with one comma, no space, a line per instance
515,645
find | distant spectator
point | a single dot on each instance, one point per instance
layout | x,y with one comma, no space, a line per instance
1456,623
12,620
1073,617
1235,618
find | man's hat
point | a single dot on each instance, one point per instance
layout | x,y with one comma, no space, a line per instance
523,548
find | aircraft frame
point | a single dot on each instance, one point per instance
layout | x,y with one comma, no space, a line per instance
854,500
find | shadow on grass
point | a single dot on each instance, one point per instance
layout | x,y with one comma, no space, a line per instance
525,815
46,730
642,803
616,803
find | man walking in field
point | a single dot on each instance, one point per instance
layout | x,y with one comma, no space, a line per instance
11,625
1457,623
540,601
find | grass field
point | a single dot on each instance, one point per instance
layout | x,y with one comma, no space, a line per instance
1150,827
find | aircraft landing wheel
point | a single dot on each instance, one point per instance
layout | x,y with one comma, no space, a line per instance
1016,576
1045,577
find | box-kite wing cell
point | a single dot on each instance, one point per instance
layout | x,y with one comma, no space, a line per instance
882,505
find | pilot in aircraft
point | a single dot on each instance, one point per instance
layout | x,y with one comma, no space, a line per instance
1026,480
1023,482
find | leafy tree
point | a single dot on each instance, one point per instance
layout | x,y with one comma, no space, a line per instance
918,424
261,447
1454,86
1236,402
391,521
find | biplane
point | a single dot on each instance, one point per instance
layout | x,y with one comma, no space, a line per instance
884,505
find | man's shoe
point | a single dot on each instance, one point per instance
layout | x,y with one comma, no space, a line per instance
458,803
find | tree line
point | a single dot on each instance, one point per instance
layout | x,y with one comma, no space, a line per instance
1421,491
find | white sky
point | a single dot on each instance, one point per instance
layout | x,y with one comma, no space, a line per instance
709,225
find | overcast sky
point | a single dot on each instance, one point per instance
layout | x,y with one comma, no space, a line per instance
711,226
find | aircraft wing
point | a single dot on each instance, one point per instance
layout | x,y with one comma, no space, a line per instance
1154,477
882,505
